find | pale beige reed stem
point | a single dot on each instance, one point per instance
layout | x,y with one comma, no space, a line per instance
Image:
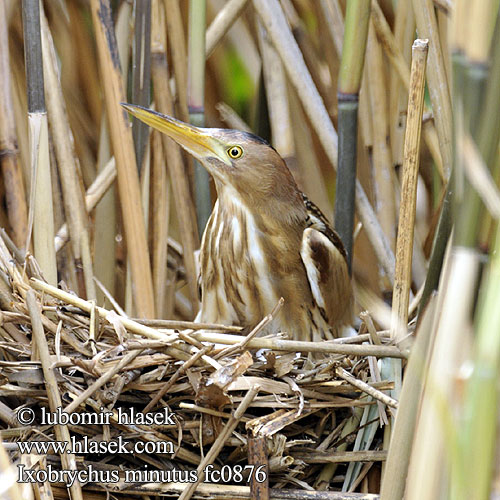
62,432
406,227
123,148
66,161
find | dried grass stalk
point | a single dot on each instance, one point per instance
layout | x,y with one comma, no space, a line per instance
74,207
406,228
180,184
121,138
439,89
17,209
62,432
222,23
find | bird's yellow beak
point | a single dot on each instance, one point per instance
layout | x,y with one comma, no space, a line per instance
197,141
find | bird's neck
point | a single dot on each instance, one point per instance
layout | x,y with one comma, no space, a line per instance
272,209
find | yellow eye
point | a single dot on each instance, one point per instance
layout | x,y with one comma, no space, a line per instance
235,152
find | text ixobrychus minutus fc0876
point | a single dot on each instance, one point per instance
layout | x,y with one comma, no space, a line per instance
264,239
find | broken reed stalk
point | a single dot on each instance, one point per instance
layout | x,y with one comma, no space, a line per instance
276,25
257,456
68,460
222,23
17,209
41,215
406,228
141,74
74,208
121,138
219,442
351,71
180,185
196,104
367,388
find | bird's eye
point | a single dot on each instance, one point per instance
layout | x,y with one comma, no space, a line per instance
235,152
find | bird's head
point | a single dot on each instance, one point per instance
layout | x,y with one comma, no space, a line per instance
235,159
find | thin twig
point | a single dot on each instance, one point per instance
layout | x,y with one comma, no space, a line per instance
219,442
363,386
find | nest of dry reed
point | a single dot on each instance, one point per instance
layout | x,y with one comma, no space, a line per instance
291,414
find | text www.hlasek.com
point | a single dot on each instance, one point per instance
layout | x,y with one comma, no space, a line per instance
95,447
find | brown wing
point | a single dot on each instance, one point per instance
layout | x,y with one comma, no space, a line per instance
324,258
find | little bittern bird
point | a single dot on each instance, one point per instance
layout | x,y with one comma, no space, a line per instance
264,239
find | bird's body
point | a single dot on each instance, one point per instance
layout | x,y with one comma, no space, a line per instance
264,239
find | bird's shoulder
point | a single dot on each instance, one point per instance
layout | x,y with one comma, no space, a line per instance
316,220
324,259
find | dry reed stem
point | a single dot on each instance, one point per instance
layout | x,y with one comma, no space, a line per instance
406,227
329,457
300,346
439,89
102,380
431,456
229,115
41,214
367,388
382,156
86,306
404,33
180,371
10,486
335,23
257,456
160,225
219,442
275,23
218,492
312,180
403,71
160,182
277,97
17,210
103,181
105,219
479,175
244,343
68,172
396,470
175,32
481,26
222,23
62,432
309,53
121,138
180,186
